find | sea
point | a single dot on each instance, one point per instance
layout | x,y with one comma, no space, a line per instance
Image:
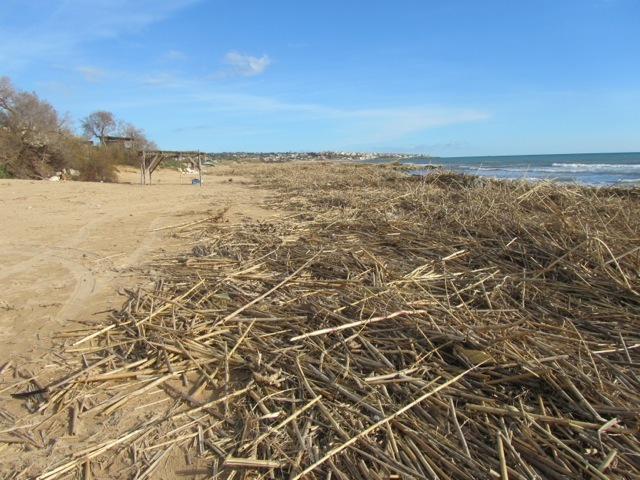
589,169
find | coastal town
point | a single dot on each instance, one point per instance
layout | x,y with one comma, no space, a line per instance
279,157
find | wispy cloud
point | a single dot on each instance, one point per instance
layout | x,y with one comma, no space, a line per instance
176,55
401,118
239,64
397,122
193,129
91,74
425,148
112,17
58,28
364,125
162,79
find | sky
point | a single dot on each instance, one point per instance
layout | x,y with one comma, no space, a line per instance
438,77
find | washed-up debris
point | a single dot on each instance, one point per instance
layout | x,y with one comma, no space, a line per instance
390,327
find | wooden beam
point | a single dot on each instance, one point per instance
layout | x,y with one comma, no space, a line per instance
143,170
151,159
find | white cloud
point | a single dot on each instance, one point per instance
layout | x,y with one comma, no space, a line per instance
245,65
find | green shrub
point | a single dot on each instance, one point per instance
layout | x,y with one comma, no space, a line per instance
4,173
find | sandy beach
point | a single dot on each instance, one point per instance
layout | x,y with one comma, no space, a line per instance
302,320
66,248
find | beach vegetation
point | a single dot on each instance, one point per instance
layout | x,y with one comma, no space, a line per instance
4,173
98,166
110,131
36,141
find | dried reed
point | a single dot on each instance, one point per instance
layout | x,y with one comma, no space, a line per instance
438,326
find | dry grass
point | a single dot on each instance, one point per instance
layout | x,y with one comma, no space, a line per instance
395,327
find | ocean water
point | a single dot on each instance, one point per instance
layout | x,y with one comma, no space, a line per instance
593,169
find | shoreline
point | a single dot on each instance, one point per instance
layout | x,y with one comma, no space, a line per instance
597,170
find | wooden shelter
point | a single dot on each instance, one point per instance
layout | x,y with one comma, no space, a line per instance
151,159
126,142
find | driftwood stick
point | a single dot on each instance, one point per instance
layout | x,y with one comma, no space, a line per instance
356,324
251,463
454,416
504,475
113,405
193,401
213,218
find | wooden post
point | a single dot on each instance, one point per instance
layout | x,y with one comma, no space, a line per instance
143,173
200,168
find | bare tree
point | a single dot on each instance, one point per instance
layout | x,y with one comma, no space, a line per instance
33,136
35,121
140,140
36,141
99,124
102,124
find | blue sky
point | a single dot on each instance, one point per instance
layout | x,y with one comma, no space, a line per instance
441,77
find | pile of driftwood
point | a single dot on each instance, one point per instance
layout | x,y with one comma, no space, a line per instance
393,326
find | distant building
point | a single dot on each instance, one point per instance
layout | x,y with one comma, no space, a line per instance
126,142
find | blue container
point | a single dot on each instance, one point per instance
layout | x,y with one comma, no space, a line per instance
195,181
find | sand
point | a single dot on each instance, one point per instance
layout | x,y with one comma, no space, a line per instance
67,249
